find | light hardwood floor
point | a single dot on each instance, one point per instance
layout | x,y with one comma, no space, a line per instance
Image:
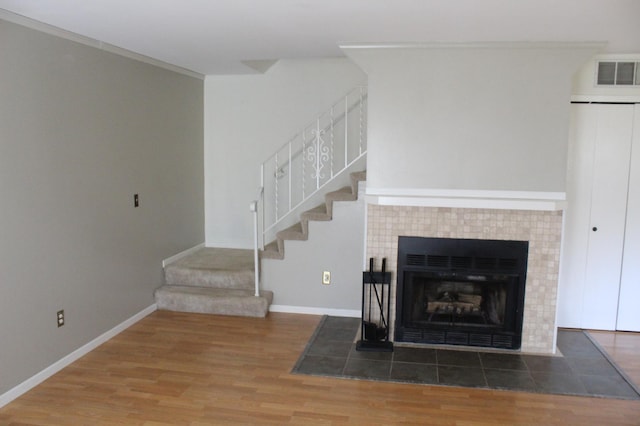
624,349
189,369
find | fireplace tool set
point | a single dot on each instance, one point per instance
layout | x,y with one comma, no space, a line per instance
375,310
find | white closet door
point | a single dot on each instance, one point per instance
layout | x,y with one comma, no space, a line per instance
628,309
582,143
607,218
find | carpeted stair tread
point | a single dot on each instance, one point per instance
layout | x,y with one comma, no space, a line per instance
318,213
358,177
323,212
213,281
342,194
271,250
218,258
220,301
294,232
213,267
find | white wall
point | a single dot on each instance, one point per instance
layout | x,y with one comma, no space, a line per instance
469,117
246,119
81,131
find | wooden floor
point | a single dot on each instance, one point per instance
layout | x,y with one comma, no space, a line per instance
624,349
190,369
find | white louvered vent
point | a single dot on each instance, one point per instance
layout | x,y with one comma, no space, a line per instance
618,73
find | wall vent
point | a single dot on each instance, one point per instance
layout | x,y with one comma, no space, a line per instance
618,73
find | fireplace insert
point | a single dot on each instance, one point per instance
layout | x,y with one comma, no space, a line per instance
461,291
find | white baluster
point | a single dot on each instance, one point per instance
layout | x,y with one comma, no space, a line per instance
346,130
317,153
331,130
262,200
290,174
361,117
304,164
276,186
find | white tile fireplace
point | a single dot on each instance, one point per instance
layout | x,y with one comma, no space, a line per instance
541,228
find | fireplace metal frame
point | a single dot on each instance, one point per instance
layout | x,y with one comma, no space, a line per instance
463,260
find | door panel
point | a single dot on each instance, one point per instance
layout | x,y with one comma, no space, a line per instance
608,213
582,143
628,309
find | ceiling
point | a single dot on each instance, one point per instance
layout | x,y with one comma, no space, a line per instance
243,36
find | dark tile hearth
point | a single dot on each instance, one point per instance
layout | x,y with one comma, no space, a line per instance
582,370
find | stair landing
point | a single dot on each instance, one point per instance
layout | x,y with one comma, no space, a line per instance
214,281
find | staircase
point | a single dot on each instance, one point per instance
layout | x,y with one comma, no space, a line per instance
221,281
315,161
213,281
323,212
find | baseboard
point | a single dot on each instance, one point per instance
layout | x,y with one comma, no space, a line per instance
182,254
43,375
308,310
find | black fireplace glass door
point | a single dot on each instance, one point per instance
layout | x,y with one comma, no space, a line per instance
468,301
461,291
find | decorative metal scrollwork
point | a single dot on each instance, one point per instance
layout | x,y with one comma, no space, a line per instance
317,154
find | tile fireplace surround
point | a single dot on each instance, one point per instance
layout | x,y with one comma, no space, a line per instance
542,229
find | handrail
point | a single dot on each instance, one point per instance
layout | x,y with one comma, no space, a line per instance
254,207
313,158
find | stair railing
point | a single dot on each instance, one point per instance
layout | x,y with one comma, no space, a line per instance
254,207
312,158
301,167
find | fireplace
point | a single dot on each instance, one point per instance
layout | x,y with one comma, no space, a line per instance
541,228
461,291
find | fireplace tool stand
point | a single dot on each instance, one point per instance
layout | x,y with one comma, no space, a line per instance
375,310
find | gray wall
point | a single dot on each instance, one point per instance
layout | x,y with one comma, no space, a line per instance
81,131
336,246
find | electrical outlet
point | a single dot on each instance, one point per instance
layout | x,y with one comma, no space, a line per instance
326,278
60,318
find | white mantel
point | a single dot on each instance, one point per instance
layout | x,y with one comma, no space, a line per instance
502,200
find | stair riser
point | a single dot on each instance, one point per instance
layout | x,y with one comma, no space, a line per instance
288,235
249,306
272,254
208,278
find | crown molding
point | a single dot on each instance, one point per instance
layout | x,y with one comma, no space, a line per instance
87,41
591,45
